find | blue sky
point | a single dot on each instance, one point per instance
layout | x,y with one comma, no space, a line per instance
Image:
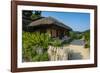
77,21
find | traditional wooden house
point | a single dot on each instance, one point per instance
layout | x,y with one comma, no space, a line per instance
49,25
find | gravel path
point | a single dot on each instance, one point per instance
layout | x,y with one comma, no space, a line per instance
78,51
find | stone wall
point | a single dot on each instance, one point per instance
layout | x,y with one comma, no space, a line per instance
57,53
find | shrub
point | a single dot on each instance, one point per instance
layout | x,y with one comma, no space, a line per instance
41,57
44,57
87,39
56,42
31,42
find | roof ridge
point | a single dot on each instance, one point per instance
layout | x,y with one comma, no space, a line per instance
49,20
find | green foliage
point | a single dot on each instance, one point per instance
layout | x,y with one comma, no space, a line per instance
56,42
85,35
87,38
41,57
34,16
44,57
75,35
32,41
80,36
36,39
44,40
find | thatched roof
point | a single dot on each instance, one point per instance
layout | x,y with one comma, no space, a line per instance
48,21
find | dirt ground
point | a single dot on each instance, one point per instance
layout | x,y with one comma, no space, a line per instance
78,50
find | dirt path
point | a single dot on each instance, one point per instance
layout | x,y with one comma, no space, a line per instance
78,51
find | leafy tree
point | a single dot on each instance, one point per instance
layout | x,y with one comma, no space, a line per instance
27,13
36,15
73,35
